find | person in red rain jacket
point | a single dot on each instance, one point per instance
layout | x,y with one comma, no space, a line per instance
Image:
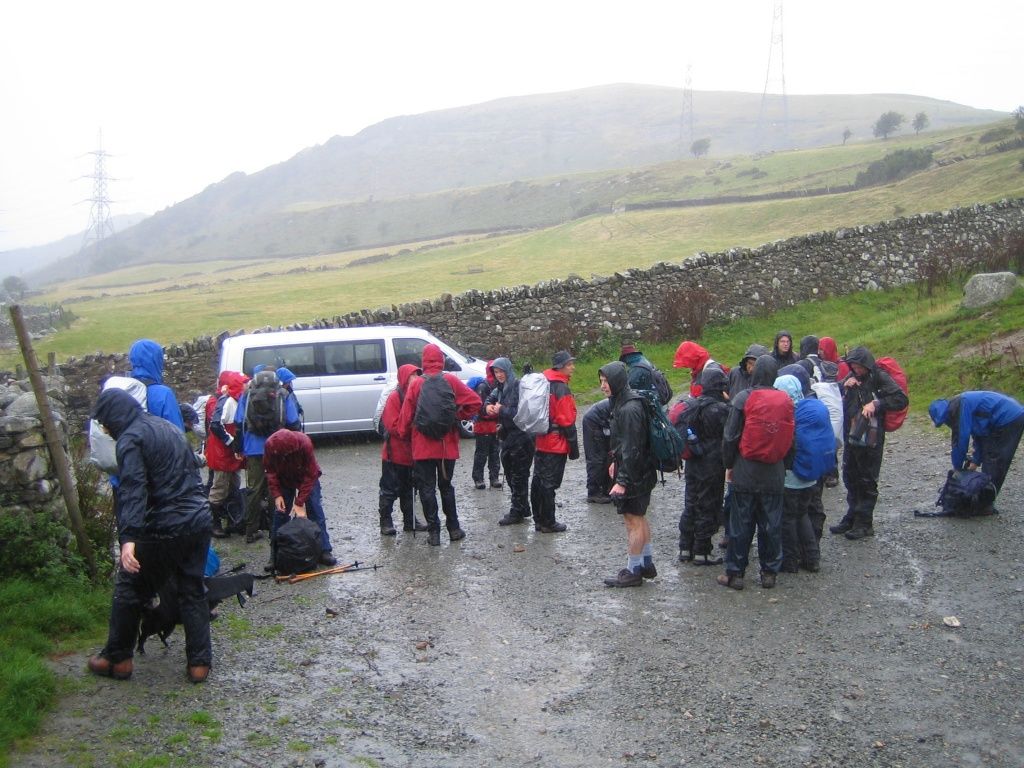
485,435
692,355
827,351
293,479
556,446
223,449
434,460
396,461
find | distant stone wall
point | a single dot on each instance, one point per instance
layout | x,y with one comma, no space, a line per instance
629,304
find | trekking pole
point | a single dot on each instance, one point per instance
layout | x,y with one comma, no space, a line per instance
291,578
341,569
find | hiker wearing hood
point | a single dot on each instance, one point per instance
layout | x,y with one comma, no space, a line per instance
556,446
487,452
705,473
286,377
596,450
868,391
164,532
828,372
692,355
517,447
293,477
396,481
993,420
782,350
258,498
799,539
757,483
739,377
147,359
633,472
222,448
828,351
434,458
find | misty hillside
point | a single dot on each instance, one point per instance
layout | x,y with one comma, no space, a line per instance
25,261
382,185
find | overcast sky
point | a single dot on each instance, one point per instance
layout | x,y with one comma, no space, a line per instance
187,92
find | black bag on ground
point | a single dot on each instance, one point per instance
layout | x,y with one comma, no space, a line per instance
297,547
435,409
966,493
265,405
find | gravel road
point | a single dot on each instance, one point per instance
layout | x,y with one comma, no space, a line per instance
506,649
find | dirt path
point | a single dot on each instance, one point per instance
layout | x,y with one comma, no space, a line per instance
476,654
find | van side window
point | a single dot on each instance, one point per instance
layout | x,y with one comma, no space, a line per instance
409,351
300,359
348,357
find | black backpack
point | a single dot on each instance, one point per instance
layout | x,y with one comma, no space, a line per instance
435,409
966,493
659,383
687,424
265,405
297,547
666,443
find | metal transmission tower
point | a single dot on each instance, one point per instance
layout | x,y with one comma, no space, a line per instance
773,118
686,117
100,224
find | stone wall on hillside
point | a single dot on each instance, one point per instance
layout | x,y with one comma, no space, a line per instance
630,305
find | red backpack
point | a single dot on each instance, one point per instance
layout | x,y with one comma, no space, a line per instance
768,426
894,419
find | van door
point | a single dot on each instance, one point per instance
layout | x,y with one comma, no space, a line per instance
353,375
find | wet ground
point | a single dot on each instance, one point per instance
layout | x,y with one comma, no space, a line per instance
506,649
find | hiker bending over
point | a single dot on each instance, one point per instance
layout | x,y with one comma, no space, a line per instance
164,531
993,420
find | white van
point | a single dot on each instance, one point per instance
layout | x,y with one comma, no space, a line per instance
340,372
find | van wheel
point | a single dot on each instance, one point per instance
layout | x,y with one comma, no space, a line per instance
466,428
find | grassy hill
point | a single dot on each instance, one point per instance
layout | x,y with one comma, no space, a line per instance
172,302
466,169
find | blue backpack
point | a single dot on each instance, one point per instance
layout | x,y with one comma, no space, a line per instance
815,441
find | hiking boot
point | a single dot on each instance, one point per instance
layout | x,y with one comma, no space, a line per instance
707,559
496,484
511,519
831,482
104,667
812,567
555,527
434,539
456,534
860,532
269,567
479,485
416,527
328,559
599,499
251,537
767,580
387,529
198,673
724,543
841,527
626,578
648,571
685,555
790,568
730,580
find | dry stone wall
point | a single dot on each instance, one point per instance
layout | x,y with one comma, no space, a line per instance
629,304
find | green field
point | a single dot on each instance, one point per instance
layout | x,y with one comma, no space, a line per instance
172,302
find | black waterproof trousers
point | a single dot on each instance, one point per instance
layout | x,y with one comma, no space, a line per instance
861,467
516,457
702,506
487,454
431,476
183,557
596,449
799,542
998,449
548,470
396,483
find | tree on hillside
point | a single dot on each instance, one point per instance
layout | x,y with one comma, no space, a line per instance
15,286
889,122
1018,115
847,133
920,122
700,147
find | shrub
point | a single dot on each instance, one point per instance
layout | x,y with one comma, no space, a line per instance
995,134
682,312
895,165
